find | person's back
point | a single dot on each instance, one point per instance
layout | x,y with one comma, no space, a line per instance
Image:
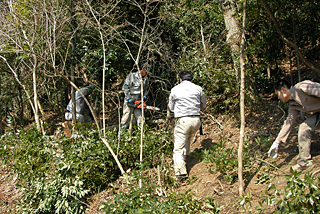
83,113
185,100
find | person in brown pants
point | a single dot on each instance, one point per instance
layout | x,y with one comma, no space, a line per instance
305,97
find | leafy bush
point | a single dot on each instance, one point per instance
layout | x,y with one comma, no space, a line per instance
155,144
145,200
53,195
301,195
225,159
59,174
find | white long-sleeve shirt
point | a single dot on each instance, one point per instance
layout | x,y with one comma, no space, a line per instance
187,99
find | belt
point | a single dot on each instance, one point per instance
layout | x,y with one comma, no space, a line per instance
188,116
68,110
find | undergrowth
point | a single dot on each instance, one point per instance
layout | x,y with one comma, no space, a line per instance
152,197
58,175
300,195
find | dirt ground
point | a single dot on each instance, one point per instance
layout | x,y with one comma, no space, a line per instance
203,183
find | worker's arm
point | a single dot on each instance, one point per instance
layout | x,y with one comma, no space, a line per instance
171,102
126,86
203,100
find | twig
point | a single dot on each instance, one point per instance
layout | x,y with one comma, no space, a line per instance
214,120
219,193
271,165
84,203
316,172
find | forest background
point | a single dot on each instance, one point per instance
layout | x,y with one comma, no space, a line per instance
48,46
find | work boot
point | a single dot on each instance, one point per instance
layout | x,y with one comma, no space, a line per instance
181,178
299,168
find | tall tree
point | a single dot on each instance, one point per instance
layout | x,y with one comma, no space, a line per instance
233,30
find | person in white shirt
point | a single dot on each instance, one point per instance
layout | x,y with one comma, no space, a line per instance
186,100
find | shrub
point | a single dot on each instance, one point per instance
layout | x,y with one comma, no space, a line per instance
301,195
56,175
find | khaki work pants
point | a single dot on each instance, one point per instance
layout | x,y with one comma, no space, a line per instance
126,117
304,138
184,130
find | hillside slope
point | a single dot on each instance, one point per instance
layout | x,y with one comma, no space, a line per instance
203,180
206,183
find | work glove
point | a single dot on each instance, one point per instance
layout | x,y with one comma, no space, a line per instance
273,151
130,101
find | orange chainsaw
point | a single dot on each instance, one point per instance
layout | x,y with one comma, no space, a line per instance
138,104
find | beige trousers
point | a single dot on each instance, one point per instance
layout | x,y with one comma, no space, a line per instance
184,130
304,139
126,117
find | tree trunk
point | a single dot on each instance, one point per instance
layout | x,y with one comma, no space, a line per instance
233,31
35,95
242,106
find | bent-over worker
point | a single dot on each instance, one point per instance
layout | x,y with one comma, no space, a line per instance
83,113
305,97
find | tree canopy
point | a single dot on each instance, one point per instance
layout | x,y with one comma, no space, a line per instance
49,38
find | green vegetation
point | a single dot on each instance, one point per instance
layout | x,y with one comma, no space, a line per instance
146,200
300,195
59,174
43,42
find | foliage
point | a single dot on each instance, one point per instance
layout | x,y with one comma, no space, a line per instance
245,202
301,195
221,87
195,30
58,175
44,180
225,159
146,200
63,195
264,46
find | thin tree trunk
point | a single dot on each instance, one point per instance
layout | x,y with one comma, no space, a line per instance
73,92
103,88
34,79
242,106
17,79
